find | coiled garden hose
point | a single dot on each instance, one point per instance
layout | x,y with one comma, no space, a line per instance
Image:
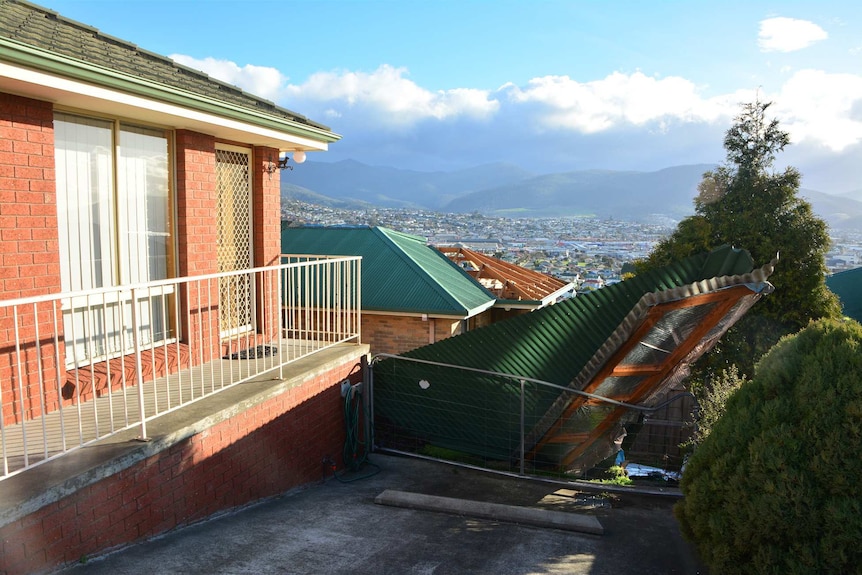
355,452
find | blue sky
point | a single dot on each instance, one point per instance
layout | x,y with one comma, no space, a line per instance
548,85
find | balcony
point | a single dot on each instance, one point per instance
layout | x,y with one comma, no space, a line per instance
77,368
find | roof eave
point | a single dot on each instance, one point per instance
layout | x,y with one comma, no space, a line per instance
432,314
30,57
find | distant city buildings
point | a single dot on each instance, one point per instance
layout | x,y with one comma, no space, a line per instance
587,251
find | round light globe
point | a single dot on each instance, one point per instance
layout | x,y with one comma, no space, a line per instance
298,156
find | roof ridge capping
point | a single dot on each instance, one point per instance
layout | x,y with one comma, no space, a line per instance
755,279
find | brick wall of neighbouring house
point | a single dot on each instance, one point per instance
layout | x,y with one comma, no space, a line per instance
29,253
397,334
264,451
482,319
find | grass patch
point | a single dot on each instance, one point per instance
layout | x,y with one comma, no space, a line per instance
615,475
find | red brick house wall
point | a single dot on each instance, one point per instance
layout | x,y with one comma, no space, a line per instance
267,207
29,252
30,257
266,215
197,235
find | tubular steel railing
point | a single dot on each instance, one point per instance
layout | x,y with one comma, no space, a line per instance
78,367
487,419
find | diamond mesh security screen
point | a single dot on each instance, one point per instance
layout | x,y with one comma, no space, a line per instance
234,240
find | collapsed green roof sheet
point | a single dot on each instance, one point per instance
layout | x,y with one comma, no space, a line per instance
626,342
400,272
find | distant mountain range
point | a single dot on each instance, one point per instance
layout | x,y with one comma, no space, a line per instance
507,190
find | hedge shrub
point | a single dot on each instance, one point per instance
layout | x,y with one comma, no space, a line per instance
777,486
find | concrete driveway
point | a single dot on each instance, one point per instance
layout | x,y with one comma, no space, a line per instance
336,527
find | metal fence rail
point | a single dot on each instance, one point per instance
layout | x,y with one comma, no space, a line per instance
488,419
79,367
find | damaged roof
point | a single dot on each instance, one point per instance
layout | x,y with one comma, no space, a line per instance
626,343
400,272
509,282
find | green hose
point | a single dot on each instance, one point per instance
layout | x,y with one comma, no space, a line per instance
355,452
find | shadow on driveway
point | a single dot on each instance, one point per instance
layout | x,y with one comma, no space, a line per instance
335,527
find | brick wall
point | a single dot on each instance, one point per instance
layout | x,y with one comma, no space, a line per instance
266,211
398,334
261,452
29,253
197,232
266,215
197,236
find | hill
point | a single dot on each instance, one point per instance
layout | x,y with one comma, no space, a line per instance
626,195
842,213
397,188
508,191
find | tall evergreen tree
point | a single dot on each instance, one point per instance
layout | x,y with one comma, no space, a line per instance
746,204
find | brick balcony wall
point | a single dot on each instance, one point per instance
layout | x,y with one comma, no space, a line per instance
264,451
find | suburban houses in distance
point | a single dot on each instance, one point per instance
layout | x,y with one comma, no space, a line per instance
572,249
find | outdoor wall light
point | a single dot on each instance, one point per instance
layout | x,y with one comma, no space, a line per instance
283,159
282,164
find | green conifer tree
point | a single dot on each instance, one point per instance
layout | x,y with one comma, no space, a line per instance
748,205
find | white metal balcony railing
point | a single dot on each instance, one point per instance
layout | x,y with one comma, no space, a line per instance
78,367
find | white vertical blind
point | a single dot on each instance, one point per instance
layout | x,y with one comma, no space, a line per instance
84,158
144,210
111,237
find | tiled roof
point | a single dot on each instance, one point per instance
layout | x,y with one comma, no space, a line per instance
628,342
400,272
47,30
506,280
847,285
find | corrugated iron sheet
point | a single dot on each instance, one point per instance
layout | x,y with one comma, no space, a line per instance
626,341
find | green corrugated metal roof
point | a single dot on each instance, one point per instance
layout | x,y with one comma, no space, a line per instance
566,344
532,344
847,285
400,272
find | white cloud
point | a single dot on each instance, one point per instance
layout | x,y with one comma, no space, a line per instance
261,81
618,99
556,118
390,99
788,34
816,106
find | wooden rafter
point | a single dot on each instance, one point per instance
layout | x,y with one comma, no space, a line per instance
518,283
725,300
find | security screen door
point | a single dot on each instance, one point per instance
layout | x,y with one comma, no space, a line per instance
233,178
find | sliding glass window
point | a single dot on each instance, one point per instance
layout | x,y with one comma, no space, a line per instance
115,217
